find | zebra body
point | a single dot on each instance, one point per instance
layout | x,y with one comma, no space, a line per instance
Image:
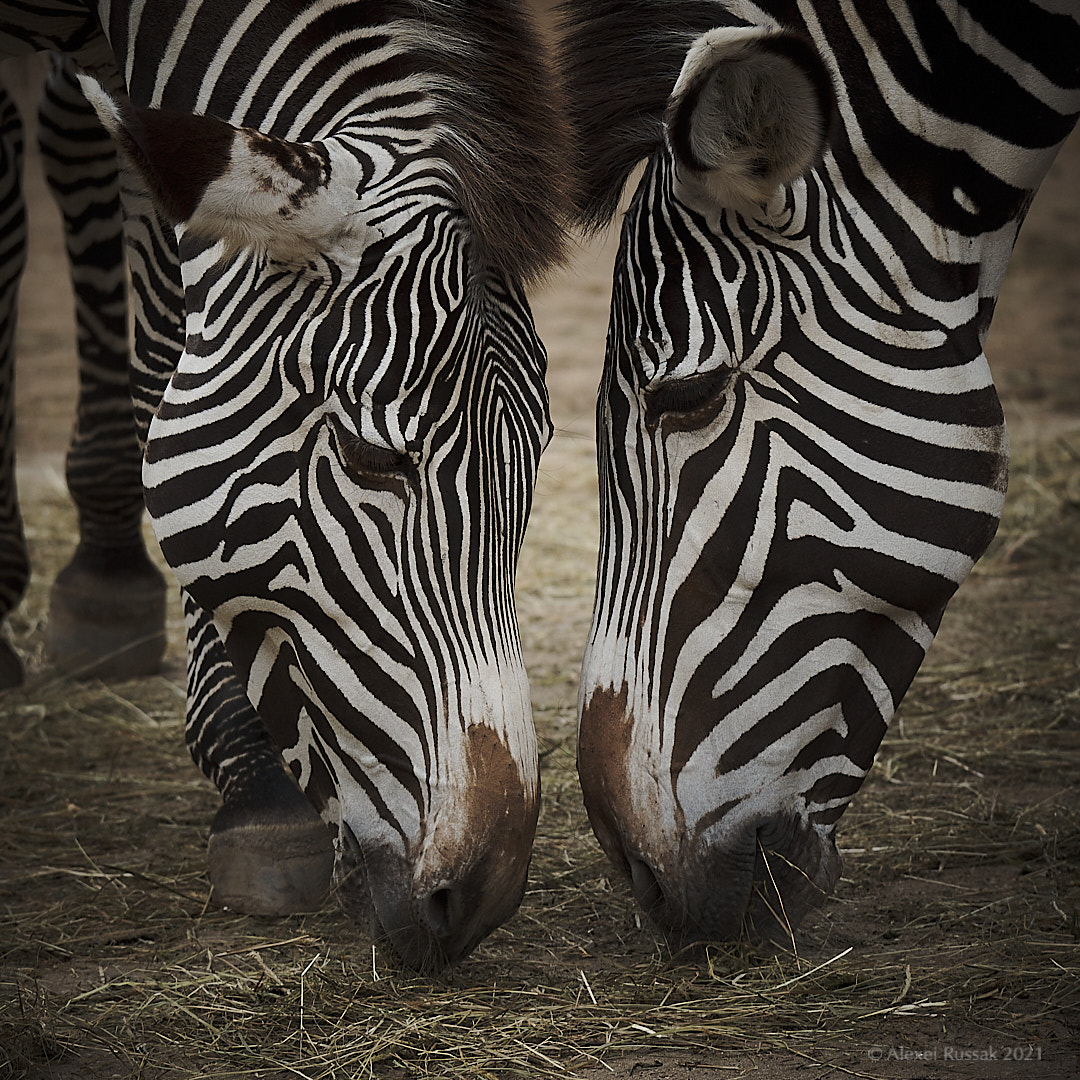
94,627
333,211
801,450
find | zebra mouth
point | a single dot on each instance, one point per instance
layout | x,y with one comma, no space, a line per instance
373,887
796,867
755,885
428,927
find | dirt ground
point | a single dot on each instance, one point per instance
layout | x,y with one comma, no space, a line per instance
954,931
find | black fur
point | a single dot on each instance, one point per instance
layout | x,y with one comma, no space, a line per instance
512,150
620,61
178,155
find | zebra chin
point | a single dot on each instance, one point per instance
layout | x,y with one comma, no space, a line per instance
431,923
751,884
754,883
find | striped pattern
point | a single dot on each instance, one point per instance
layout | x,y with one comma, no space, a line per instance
104,460
339,464
14,566
801,451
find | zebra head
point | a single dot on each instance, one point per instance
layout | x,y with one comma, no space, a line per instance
801,450
341,468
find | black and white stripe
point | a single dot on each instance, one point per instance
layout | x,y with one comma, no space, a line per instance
14,564
103,630
339,460
801,450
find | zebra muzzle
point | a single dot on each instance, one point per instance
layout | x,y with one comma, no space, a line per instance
432,913
754,883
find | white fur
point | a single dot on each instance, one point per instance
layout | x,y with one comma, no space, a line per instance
106,108
754,106
249,208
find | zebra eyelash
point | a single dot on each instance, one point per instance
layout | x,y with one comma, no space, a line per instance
688,396
365,461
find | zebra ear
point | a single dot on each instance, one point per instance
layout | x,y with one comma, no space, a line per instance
255,192
751,111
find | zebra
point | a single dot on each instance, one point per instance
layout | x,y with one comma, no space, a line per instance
93,629
333,211
801,451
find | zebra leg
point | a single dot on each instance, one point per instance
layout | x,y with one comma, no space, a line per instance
269,851
14,564
107,606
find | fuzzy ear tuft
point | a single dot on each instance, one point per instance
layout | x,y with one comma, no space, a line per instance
751,111
256,192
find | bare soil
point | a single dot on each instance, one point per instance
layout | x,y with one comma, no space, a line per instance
951,947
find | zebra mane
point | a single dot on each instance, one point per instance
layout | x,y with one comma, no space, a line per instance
506,136
620,61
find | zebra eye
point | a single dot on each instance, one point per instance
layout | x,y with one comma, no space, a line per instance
364,460
684,397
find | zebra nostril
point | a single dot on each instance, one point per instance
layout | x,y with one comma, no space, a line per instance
349,842
647,890
441,912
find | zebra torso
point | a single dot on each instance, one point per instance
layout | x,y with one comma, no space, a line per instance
339,463
801,450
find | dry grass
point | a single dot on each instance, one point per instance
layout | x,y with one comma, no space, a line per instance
957,916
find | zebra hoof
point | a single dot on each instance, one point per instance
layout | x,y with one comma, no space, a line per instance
11,669
107,615
275,861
